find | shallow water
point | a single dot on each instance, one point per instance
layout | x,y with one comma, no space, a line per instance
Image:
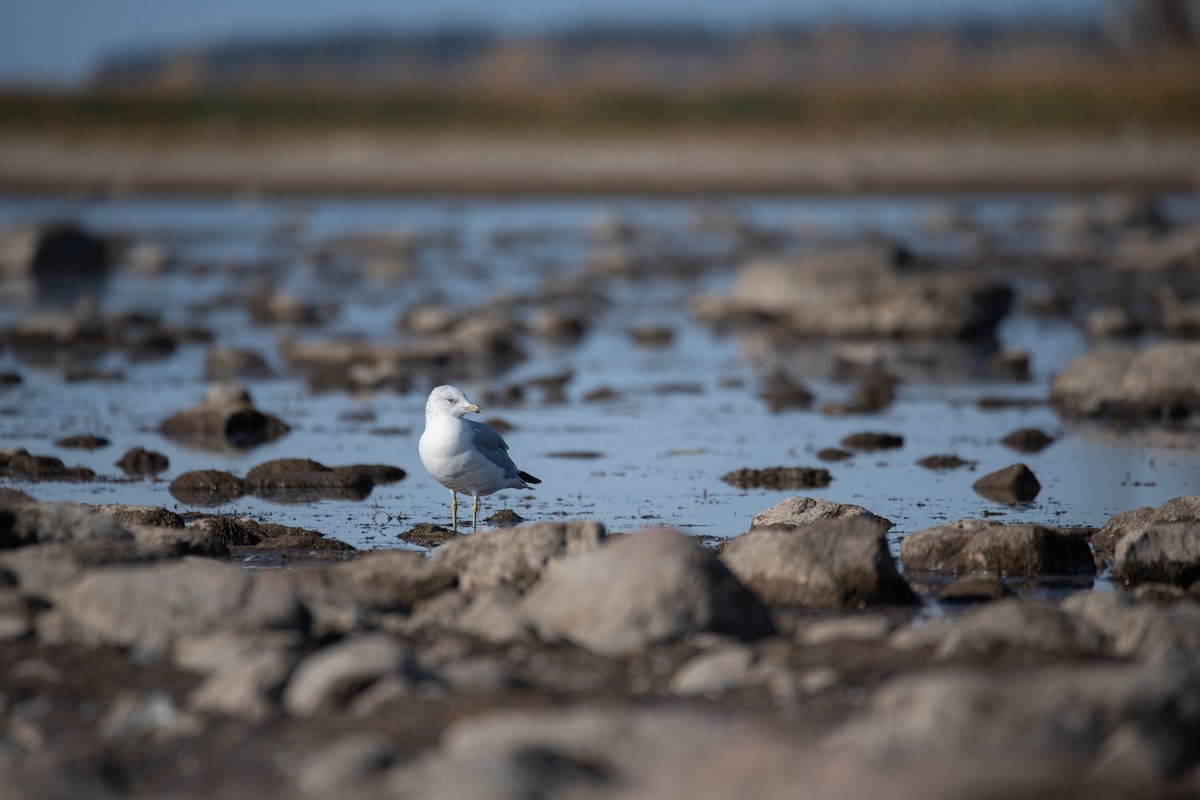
687,413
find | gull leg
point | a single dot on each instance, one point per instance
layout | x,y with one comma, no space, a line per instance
454,509
475,515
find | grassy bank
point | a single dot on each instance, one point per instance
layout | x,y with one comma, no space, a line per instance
1163,97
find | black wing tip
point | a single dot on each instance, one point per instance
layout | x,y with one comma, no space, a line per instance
525,476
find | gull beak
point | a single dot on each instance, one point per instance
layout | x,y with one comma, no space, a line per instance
475,408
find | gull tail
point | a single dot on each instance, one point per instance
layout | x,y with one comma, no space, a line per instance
525,476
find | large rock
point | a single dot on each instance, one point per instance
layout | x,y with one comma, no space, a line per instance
1180,509
226,417
148,607
1039,626
383,580
1161,382
839,565
1087,714
1011,485
518,556
244,673
799,511
862,290
155,516
655,586
333,675
206,487
979,546
1142,631
1164,553
20,465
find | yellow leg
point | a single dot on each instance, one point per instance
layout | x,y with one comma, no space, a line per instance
454,510
475,515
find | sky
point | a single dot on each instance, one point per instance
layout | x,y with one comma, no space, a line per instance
60,41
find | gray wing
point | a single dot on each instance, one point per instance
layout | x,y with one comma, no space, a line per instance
494,448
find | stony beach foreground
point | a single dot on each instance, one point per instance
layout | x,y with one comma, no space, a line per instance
551,659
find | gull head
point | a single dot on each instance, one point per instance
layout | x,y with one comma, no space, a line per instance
448,401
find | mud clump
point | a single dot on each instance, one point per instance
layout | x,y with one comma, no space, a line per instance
226,418
427,534
779,478
944,462
504,518
1028,440
138,462
301,479
834,454
82,442
870,441
1011,485
19,465
207,487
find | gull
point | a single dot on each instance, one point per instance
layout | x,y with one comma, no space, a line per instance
464,455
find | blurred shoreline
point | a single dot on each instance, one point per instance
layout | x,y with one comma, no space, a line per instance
651,163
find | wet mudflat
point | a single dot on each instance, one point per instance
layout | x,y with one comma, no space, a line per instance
935,458
680,414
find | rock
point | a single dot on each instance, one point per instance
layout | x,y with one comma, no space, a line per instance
427,534
1111,322
858,628
834,454
137,462
974,589
943,462
19,465
870,441
1066,713
154,516
518,556
150,606
330,677
656,586
1162,553
82,442
1028,440
839,564
781,393
285,537
504,518
227,417
554,325
44,570
492,615
575,751
798,511
1011,485
244,673
715,672
1033,625
1158,383
1179,509
40,523
207,487
779,478
54,261
1009,364
177,542
14,498
230,363
342,767
233,532
382,580
1142,631
865,290
979,546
